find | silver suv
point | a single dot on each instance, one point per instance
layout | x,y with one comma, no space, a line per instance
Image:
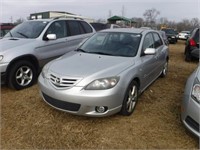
30,45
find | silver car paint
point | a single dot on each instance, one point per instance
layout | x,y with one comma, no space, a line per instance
89,67
189,106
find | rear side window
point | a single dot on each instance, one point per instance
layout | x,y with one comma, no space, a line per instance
157,40
73,27
86,27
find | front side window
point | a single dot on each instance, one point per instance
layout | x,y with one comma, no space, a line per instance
148,42
111,43
29,29
58,28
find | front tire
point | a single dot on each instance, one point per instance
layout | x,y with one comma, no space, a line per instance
22,74
130,99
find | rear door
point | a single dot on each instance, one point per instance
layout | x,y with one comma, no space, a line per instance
149,62
160,52
78,31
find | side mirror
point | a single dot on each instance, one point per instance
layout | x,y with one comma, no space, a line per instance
150,51
51,36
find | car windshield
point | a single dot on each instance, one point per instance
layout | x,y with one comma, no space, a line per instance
169,31
112,43
185,32
29,29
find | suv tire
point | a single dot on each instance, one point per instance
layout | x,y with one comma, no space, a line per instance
21,75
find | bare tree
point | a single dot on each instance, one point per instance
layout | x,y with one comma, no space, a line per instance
195,22
139,22
20,20
150,16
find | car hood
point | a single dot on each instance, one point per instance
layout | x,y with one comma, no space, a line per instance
168,35
8,43
82,65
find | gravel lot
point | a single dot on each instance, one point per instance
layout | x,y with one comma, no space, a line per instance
29,123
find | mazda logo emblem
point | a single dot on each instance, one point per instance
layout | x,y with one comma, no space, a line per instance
57,80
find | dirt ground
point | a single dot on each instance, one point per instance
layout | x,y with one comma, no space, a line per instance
27,122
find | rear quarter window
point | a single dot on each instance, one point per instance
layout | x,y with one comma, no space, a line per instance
196,35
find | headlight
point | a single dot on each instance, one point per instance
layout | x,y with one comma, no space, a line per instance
102,84
196,92
1,57
44,72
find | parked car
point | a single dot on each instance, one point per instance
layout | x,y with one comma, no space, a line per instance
171,35
30,45
5,28
192,50
190,107
102,26
106,74
162,33
183,35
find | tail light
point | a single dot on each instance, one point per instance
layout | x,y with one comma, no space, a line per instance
192,43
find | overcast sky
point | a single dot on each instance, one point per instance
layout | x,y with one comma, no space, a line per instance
174,10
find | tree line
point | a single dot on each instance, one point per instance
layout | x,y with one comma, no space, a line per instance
151,20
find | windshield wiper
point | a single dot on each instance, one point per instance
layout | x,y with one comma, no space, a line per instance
81,50
101,53
23,34
10,34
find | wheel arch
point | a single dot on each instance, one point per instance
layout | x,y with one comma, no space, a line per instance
29,57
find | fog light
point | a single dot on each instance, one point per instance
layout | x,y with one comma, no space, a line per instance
101,109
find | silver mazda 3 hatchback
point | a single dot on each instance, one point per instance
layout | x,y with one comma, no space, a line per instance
190,107
106,74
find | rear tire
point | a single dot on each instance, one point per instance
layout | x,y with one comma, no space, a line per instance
22,74
165,70
187,56
130,99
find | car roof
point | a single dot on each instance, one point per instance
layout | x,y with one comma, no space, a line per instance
52,19
128,30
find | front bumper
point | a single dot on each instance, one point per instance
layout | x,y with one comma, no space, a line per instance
3,68
78,101
172,39
190,115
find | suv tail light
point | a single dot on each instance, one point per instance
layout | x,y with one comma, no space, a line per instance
192,43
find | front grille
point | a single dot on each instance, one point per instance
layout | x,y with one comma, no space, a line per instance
62,82
192,123
61,104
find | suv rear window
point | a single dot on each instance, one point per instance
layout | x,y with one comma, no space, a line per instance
169,31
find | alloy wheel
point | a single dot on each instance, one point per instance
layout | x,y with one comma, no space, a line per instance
24,75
